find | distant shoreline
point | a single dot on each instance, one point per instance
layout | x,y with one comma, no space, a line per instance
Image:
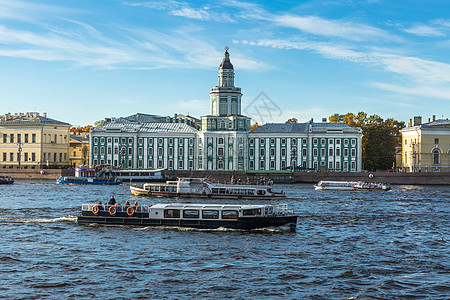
398,178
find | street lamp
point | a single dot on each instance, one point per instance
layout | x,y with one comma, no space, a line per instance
293,157
122,158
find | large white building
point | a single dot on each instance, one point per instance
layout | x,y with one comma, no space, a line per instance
224,140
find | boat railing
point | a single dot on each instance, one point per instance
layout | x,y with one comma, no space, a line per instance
119,207
283,209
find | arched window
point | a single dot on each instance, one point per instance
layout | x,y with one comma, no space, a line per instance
436,154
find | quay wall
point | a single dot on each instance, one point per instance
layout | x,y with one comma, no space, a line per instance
50,174
399,178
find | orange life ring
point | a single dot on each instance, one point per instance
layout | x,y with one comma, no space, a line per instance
95,209
130,211
112,210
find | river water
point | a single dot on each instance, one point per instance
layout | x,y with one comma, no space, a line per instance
348,245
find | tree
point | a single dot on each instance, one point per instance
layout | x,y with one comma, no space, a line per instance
254,126
380,137
292,120
100,123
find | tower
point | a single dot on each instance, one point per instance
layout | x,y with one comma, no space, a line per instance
223,138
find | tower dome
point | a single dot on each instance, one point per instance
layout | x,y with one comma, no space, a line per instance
226,64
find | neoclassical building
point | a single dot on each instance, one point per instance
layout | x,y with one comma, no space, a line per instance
224,140
426,146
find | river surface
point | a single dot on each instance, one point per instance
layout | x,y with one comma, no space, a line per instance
348,245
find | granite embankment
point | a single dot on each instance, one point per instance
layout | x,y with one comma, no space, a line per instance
400,178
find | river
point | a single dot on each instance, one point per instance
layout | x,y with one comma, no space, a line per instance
348,245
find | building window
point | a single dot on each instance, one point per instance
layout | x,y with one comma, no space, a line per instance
353,165
261,165
130,141
123,141
11,156
11,138
251,165
330,142
160,164
150,163
4,156
345,152
353,142
102,140
283,141
304,152
272,152
353,152
436,157
346,142
220,165
140,151
338,152
315,152
95,150
315,141
322,152
180,151
170,151
283,164
5,138
330,152
261,142
330,165
323,142
436,141
180,164
170,141
102,151
283,152
252,152
252,141
26,138
338,165
130,151
261,152
191,152
109,150
305,141
272,164
130,163
294,141
345,165
220,151
160,141
272,141
220,141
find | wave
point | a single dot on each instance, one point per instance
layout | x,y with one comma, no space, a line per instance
28,220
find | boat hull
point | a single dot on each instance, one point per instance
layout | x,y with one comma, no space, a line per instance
136,191
142,219
93,182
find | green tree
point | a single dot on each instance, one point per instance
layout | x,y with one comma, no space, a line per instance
380,137
100,123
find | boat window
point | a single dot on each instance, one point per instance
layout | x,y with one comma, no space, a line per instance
171,213
191,214
230,214
261,192
252,212
210,214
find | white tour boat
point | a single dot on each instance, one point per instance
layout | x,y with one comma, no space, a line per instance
351,186
204,188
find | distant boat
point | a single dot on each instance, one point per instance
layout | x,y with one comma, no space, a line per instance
6,180
203,216
204,188
91,176
351,186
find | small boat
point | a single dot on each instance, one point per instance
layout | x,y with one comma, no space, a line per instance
6,180
89,176
202,216
351,186
204,188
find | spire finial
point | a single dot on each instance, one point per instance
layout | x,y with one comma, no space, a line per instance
226,48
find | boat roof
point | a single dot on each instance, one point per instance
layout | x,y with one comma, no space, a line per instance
206,206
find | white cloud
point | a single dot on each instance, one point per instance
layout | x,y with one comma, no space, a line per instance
424,30
333,28
424,92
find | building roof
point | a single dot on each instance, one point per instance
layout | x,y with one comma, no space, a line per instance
305,128
437,124
145,127
79,138
142,118
226,63
28,118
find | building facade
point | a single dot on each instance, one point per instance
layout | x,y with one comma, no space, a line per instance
33,141
224,140
426,147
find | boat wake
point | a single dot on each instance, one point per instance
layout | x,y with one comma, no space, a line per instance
28,220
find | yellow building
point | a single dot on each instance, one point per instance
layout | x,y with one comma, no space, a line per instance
33,141
79,150
426,147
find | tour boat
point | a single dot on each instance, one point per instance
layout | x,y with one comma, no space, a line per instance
202,216
351,186
91,176
6,180
204,188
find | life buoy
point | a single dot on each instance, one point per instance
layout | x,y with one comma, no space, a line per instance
370,175
95,209
130,211
112,210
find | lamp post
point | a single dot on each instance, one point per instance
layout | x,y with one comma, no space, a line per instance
122,156
293,157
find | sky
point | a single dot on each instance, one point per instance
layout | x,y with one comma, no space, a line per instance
82,61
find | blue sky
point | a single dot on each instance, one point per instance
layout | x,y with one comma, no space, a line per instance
81,61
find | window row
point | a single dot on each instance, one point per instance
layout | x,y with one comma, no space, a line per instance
17,138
